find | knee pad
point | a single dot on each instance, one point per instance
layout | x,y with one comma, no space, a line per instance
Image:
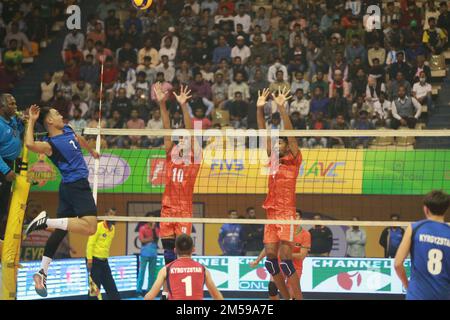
272,266
169,250
287,266
273,290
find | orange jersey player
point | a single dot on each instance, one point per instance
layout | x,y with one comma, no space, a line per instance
181,169
285,160
302,245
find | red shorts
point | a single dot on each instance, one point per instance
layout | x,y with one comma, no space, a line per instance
274,233
174,229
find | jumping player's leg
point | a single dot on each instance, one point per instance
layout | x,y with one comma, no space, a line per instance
288,268
77,211
272,266
273,290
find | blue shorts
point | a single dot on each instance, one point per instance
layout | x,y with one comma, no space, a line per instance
76,200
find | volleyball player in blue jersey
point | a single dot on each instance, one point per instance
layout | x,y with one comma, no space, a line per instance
428,241
77,211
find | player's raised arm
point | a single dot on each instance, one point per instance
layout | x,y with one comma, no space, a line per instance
35,146
402,253
161,97
182,99
280,100
213,291
260,103
154,291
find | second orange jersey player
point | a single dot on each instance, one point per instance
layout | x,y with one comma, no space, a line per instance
181,169
302,245
280,204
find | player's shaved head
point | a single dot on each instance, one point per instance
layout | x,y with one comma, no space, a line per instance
184,245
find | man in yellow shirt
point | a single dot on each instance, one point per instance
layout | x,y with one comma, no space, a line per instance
97,254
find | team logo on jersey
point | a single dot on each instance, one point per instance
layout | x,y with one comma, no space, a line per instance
252,278
41,172
351,275
155,171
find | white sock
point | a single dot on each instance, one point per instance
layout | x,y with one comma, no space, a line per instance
60,224
45,264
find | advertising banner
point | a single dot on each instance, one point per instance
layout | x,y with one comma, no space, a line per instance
327,275
323,171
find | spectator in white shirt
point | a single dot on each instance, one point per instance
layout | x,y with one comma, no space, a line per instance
277,66
243,18
166,68
171,34
238,85
300,83
74,37
300,104
382,109
422,91
155,123
405,110
241,50
211,5
168,51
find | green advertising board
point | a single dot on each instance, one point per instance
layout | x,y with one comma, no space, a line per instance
414,172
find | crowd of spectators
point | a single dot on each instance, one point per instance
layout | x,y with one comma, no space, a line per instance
342,73
24,28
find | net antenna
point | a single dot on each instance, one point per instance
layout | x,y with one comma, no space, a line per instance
99,127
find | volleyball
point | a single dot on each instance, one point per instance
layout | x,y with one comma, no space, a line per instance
142,4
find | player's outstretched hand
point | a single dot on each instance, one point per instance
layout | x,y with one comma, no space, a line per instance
184,96
262,98
282,97
34,113
161,94
253,264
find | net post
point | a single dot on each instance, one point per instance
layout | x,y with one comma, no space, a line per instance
99,140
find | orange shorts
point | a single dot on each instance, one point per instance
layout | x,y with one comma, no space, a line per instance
274,233
174,229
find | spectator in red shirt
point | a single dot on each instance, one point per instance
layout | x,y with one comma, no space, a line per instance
73,54
110,73
102,52
200,120
135,123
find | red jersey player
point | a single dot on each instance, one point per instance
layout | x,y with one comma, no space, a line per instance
181,169
280,204
185,277
302,245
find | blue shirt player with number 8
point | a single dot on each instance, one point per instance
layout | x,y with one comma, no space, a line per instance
428,242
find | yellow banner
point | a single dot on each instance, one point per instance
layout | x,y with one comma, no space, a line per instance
332,171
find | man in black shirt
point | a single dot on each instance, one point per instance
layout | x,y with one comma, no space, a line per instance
443,21
253,235
321,240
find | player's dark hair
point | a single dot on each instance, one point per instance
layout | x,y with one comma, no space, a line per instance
43,115
300,213
437,201
184,244
249,209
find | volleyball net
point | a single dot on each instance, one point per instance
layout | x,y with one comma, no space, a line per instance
370,175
